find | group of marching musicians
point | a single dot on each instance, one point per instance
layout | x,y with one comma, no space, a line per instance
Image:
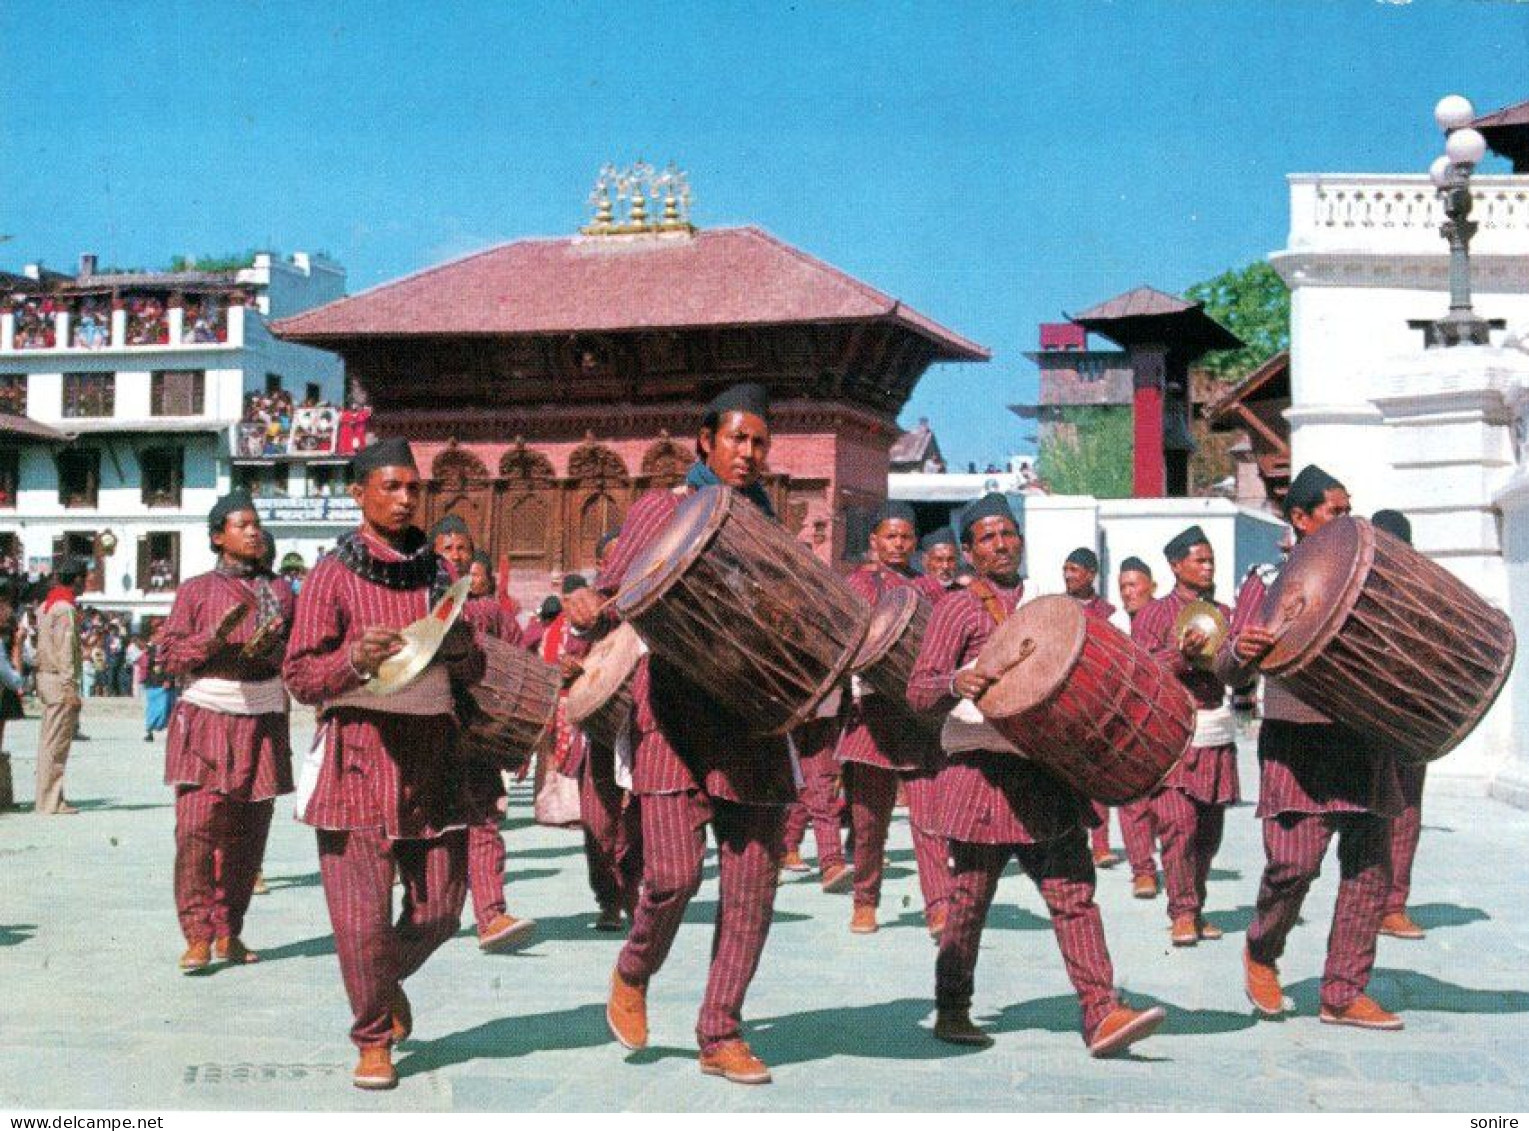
392,804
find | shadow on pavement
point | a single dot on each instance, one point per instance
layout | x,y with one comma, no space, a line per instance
1233,921
1009,917
889,1030
575,928
705,911
1404,990
508,1037
110,805
306,948
528,874
1222,874
1195,1022
1431,915
16,933
297,880
546,853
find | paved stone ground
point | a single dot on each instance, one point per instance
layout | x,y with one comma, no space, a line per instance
95,1014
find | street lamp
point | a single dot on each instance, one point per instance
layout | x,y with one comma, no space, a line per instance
1451,174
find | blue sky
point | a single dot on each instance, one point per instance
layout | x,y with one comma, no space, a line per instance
993,164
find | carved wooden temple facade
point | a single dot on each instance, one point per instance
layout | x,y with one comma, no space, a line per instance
545,384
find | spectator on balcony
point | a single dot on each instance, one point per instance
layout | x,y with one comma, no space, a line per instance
92,331
146,324
35,325
161,575
354,422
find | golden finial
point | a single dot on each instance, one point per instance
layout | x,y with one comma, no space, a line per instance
631,190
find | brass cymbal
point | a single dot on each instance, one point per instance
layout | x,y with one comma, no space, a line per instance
422,640
1205,617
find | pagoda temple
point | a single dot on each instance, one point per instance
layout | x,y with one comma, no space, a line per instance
545,383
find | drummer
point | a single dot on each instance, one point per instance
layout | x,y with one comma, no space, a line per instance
696,765
1079,572
1189,807
1137,589
942,565
1408,826
229,752
879,748
994,805
1317,780
380,786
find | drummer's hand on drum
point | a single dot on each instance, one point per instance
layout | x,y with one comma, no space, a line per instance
583,608
1192,643
375,646
970,684
1253,644
572,669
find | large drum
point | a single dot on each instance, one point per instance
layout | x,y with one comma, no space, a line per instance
600,700
748,615
1080,698
510,713
1374,635
885,661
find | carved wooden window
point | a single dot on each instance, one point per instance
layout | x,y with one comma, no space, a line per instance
665,464
526,509
177,392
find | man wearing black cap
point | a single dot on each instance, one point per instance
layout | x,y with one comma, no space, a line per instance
381,785
1137,831
58,684
994,805
454,542
1078,574
1317,780
880,747
694,765
1407,829
942,564
1189,807
229,753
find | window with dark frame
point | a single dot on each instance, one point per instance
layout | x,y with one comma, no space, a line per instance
10,477
177,392
89,394
79,477
273,382
163,476
13,393
159,561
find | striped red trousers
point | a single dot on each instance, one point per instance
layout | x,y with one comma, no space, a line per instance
674,845
612,839
1406,831
1294,844
1063,869
1099,835
872,793
818,804
1139,834
1190,833
219,844
376,955
485,869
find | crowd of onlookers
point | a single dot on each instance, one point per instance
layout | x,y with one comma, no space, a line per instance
274,426
147,321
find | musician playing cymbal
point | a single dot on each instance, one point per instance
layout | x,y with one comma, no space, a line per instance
228,754
381,786
1189,807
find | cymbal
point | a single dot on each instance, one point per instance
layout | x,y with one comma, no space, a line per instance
422,640
1208,619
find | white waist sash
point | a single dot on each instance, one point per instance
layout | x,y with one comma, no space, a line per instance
1214,726
238,696
430,694
965,728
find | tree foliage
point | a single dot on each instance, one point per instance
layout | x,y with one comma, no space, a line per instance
212,264
1253,303
1088,452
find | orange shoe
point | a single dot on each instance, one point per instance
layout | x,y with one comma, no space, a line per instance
1263,988
198,956
1123,1028
935,920
1363,1013
1105,859
954,1026
1144,887
375,1071
793,862
838,879
505,933
1400,926
863,920
233,952
403,1017
626,1013
1184,931
735,1061
1208,931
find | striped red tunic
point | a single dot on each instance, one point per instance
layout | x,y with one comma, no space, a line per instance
687,740
986,797
1206,773
1307,764
490,618
932,589
1097,606
245,757
876,733
396,773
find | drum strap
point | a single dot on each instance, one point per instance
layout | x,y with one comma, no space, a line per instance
980,589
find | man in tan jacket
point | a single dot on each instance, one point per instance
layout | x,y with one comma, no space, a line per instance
58,684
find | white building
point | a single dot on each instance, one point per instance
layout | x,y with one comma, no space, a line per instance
125,394
1439,434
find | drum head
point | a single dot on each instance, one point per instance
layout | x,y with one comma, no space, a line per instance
889,620
1032,654
1315,590
608,666
682,540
